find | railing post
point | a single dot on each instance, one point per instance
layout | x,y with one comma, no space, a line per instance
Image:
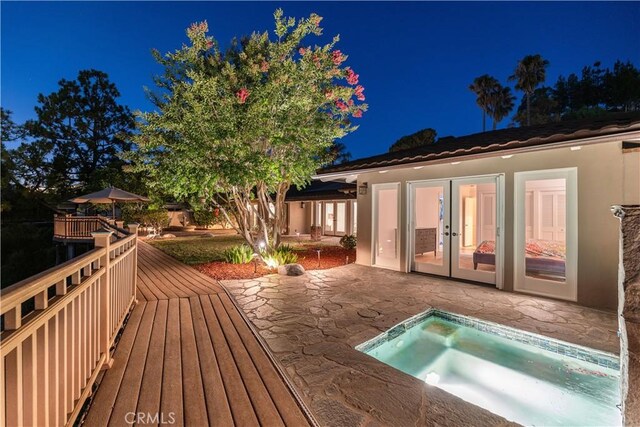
120,224
133,229
102,239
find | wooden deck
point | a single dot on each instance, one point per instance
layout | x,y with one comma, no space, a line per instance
187,354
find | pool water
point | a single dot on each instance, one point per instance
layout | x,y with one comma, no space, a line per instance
520,382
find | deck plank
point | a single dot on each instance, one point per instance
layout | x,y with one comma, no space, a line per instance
216,397
151,388
279,392
110,385
127,398
195,408
172,385
188,355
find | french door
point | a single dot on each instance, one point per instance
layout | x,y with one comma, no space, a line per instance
546,233
454,228
335,218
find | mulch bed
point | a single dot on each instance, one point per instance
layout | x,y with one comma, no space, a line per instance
330,256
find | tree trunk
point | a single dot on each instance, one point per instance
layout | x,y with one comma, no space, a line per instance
484,120
528,109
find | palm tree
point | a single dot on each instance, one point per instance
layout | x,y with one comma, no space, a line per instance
529,73
501,102
483,86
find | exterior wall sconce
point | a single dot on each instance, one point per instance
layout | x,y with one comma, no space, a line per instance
362,189
302,205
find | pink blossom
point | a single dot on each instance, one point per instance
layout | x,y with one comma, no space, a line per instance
209,44
357,113
337,57
264,67
358,93
242,95
350,103
352,77
302,51
341,106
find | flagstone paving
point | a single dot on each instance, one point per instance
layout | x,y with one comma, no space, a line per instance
311,323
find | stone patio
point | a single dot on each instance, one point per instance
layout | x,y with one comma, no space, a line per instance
311,324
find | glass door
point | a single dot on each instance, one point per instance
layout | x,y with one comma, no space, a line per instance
430,224
546,233
474,229
386,226
340,218
329,214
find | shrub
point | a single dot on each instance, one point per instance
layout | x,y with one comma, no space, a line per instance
349,241
203,218
240,254
283,255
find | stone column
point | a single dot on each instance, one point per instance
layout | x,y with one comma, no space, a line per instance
629,310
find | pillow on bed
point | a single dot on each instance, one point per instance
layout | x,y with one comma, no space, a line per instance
546,248
486,247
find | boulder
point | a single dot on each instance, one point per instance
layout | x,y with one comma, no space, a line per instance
291,270
168,236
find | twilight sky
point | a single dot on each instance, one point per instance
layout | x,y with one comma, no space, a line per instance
416,60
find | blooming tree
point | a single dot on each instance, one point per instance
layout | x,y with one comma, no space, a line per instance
235,129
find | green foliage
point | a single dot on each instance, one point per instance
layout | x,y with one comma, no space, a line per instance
283,255
418,139
349,241
239,127
197,250
595,92
73,145
203,218
145,215
240,254
530,72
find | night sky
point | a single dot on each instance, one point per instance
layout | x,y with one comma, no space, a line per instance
416,60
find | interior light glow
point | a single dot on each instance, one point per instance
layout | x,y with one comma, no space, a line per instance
455,163
383,171
508,156
575,148
418,167
432,378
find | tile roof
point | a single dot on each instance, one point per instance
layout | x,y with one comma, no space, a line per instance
498,140
318,190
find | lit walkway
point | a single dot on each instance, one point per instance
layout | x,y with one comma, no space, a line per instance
188,355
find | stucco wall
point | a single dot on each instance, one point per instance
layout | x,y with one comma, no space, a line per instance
299,217
600,185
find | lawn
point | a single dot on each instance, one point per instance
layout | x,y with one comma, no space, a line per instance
194,250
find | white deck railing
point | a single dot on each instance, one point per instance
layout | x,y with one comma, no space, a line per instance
59,327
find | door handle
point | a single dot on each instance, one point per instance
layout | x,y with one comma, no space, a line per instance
446,233
454,233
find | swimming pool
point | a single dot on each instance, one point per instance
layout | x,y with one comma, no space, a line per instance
524,377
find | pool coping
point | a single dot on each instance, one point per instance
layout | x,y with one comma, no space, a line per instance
575,351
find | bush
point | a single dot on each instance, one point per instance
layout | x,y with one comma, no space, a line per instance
203,218
156,218
283,255
240,254
349,241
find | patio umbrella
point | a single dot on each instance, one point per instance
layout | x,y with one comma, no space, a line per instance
110,195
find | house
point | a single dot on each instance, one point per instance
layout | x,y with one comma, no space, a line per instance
329,205
522,209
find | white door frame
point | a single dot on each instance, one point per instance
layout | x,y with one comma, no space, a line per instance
395,265
442,270
500,221
569,289
456,233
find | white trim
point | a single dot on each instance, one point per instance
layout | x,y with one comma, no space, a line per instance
567,290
